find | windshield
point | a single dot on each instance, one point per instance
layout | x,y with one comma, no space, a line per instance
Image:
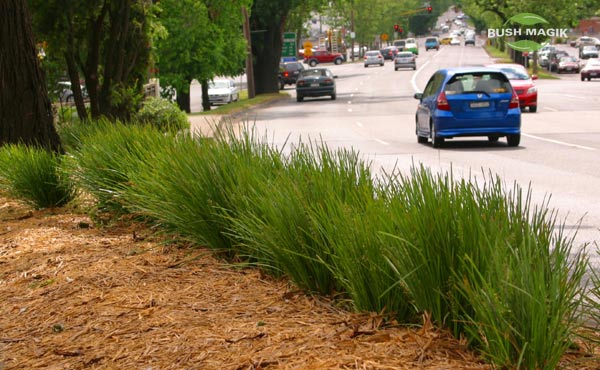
568,59
218,85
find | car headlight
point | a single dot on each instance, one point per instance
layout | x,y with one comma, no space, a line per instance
531,90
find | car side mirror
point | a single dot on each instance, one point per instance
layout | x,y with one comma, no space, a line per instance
334,76
534,77
419,96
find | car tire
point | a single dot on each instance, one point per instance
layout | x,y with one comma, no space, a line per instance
281,85
414,68
493,138
582,78
299,98
396,69
338,61
533,109
422,139
366,66
333,96
589,78
513,139
312,63
381,64
436,141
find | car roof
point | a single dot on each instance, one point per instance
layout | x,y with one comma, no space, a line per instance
461,70
506,65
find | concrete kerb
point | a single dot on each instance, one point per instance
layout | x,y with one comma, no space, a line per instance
205,125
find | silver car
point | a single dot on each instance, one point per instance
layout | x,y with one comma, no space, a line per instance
373,57
405,59
223,92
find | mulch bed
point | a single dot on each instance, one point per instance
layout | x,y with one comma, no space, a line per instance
77,296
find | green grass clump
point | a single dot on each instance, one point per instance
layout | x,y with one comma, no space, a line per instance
34,176
163,114
189,187
488,265
107,154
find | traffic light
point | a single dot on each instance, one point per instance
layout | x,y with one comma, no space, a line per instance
429,9
400,30
396,27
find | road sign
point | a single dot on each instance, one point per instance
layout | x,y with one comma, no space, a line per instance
307,48
289,45
384,36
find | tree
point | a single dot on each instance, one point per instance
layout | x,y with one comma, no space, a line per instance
106,41
25,108
203,40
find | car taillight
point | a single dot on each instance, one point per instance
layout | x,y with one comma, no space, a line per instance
300,83
514,101
442,102
286,74
328,81
365,57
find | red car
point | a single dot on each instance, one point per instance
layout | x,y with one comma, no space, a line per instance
568,64
323,56
522,83
591,70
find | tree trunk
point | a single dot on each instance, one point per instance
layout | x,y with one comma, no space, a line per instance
25,108
183,100
267,53
205,98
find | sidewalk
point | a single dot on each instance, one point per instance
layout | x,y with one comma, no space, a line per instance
204,124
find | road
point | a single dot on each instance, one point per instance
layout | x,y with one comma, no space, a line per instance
374,114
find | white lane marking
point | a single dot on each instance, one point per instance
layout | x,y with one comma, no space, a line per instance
349,109
559,142
359,124
551,109
381,142
349,101
573,96
351,95
414,77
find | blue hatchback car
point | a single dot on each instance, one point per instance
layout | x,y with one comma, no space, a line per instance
469,101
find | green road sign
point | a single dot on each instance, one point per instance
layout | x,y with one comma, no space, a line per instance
289,44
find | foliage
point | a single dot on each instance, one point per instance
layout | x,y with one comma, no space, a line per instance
163,115
34,176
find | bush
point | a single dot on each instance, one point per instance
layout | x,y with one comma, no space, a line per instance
163,114
33,175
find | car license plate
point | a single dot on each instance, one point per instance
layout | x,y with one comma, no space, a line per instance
569,69
479,104
593,73
314,85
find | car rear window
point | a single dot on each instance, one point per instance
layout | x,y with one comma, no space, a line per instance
372,53
431,40
407,54
473,82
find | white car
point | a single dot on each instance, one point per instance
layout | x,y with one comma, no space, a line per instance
373,57
223,92
455,41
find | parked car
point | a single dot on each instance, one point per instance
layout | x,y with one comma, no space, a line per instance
288,73
591,70
522,83
432,43
389,52
554,59
323,56
544,53
412,45
405,59
400,44
223,92
588,51
468,101
374,57
568,64
585,40
315,82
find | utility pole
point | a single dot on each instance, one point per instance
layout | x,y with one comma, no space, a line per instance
352,34
249,66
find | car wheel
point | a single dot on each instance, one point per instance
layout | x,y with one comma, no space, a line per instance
333,96
582,78
533,109
69,98
436,141
299,98
513,139
338,61
381,64
589,78
281,85
493,138
312,63
414,68
366,66
421,139
396,69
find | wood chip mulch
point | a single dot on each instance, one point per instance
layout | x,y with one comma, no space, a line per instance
77,296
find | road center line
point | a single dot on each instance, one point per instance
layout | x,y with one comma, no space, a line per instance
559,142
359,124
382,142
551,109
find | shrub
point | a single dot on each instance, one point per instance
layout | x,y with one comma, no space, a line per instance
163,114
33,175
